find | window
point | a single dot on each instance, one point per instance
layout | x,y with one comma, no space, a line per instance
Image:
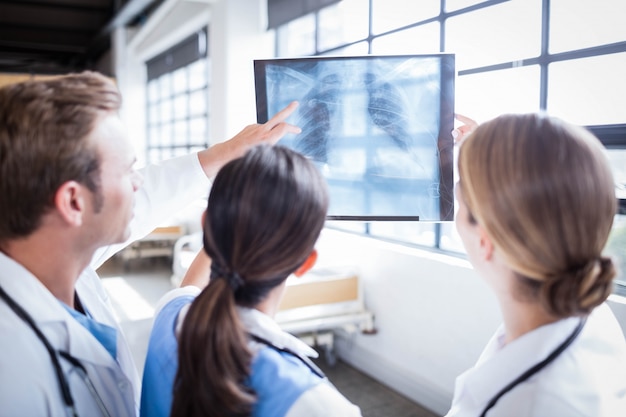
512,56
332,30
177,102
507,32
597,101
617,249
617,241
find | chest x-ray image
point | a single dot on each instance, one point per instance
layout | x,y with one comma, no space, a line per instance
378,128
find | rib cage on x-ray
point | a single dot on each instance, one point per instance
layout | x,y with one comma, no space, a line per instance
371,125
386,108
316,109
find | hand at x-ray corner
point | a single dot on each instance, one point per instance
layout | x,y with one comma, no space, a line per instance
461,132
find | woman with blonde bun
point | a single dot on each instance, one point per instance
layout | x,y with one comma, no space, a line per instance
536,204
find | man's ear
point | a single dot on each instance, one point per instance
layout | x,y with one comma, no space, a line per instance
486,245
307,265
69,201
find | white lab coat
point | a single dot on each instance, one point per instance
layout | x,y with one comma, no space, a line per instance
28,383
588,379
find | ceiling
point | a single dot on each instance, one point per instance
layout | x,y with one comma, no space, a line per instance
57,36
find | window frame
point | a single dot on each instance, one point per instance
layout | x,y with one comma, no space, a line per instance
161,68
612,136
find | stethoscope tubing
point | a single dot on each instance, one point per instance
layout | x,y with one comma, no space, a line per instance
63,382
537,367
306,361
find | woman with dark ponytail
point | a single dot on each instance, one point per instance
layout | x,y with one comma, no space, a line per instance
218,350
536,204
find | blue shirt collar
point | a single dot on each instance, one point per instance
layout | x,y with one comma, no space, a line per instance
106,335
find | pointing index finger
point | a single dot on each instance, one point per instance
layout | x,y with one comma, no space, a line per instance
465,119
282,115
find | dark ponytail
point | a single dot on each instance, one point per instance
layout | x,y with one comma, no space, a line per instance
213,358
265,213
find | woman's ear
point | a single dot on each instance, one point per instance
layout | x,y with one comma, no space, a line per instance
486,245
307,265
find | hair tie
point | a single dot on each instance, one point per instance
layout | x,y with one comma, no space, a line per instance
233,279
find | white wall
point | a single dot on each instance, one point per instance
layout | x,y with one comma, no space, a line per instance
130,74
237,37
432,313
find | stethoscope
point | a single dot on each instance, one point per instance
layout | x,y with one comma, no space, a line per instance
537,367
305,360
56,364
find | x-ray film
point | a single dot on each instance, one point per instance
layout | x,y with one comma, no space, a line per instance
377,127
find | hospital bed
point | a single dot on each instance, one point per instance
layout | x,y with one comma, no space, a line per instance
315,306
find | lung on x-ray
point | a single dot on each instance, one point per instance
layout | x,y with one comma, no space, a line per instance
378,128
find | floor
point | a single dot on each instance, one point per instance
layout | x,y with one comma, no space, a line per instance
136,285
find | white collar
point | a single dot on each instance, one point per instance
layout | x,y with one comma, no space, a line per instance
263,326
498,364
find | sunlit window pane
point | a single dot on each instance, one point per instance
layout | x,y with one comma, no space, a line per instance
179,152
356,49
616,247
166,111
180,133
297,38
153,91
589,91
154,155
392,14
506,32
197,102
198,74
155,139
452,5
165,82
153,114
344,22
420,39
617,158
167,134
193,149
486,95
179,80
450,239
197,130
180,107
577,24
